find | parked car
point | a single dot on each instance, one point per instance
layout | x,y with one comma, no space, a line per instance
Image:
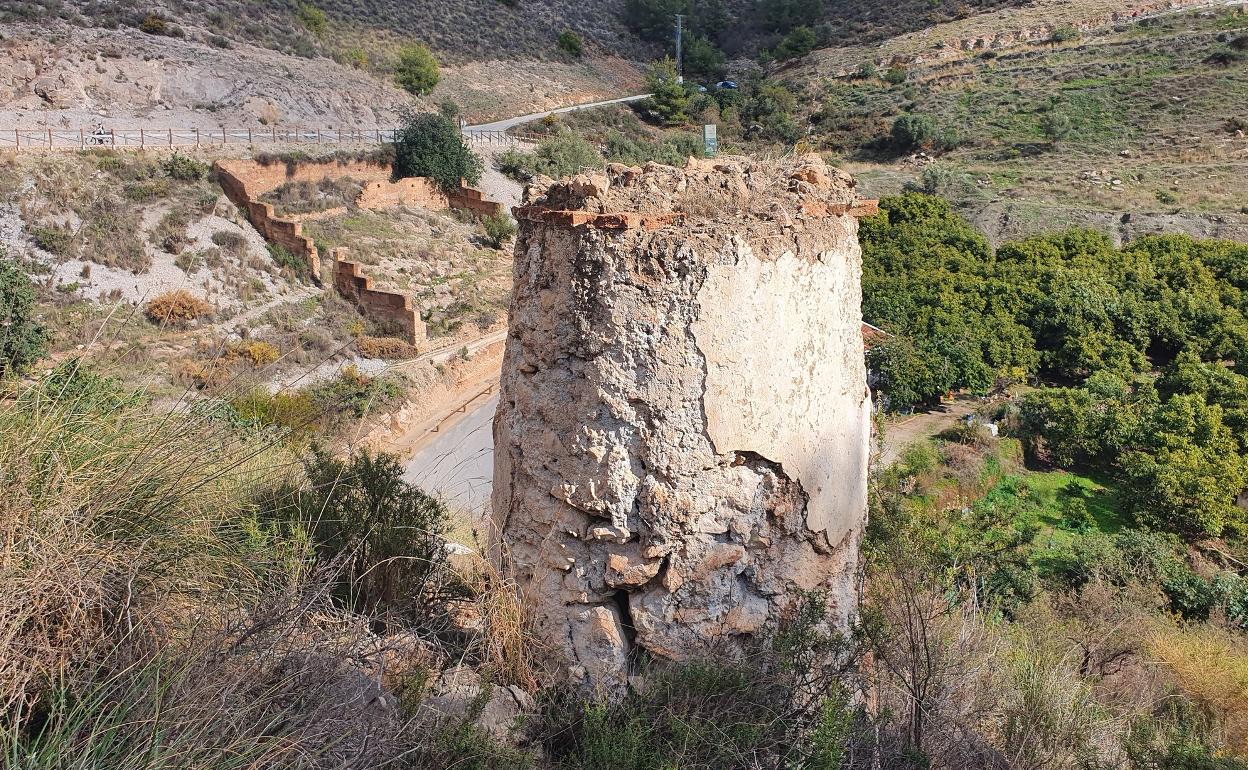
729,85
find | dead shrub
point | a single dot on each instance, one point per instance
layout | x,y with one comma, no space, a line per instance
255,352
178,308
231,243
388,348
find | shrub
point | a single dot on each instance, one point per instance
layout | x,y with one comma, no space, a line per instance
911,132
570,43
73,382
255,352
559,156
431,146
670,150
232,243
176,308
385,535
499,228
184,168
56,239
390,348
285,259
170,232
797,43
417,69
895,76
354,393
23,340
153,25
313,19
780,706
1063,34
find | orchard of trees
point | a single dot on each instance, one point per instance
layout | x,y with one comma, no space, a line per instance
1140,352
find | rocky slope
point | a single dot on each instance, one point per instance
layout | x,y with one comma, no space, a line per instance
67,76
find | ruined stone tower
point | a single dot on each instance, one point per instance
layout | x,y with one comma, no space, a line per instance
682,435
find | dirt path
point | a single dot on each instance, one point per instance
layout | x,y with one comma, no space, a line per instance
906,431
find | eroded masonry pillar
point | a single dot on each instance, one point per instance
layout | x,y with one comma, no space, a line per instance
682,436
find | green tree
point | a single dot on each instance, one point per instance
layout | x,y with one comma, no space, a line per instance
703,61
570,43
1187,471
417,69
784,15
669,100
1057,125
23,340
797,43
430,145
654,20
710,19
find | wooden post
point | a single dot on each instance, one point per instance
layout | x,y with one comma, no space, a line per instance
49,138
142,139
318,136
275,133
171,137
112,134
197,137
82,139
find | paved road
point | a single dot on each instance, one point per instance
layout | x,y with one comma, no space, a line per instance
459,465
503,125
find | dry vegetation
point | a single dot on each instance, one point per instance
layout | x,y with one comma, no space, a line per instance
457,280
177,308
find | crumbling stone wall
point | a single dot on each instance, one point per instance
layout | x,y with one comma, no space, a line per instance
682,436
392,309
244,181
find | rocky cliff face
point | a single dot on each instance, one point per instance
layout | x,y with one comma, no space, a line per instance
682,437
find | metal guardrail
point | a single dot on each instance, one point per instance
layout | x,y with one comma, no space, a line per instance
498,137
19,139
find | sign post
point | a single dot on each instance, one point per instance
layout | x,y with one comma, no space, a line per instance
710,138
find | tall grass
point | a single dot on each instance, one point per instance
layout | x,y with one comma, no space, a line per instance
147,620
176,592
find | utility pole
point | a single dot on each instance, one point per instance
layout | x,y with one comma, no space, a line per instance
680,66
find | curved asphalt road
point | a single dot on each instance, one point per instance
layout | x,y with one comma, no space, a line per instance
503,125
458,466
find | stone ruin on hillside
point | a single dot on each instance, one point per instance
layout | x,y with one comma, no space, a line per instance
682,436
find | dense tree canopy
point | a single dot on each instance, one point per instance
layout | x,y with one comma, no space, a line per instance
1147,342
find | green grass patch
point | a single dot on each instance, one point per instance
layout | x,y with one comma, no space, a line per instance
1044,496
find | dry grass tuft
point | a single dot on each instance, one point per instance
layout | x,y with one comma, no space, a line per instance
1211,666
388,348
177,308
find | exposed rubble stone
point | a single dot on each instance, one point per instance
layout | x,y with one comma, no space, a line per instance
682,436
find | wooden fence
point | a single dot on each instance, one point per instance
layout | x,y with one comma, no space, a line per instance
22,139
